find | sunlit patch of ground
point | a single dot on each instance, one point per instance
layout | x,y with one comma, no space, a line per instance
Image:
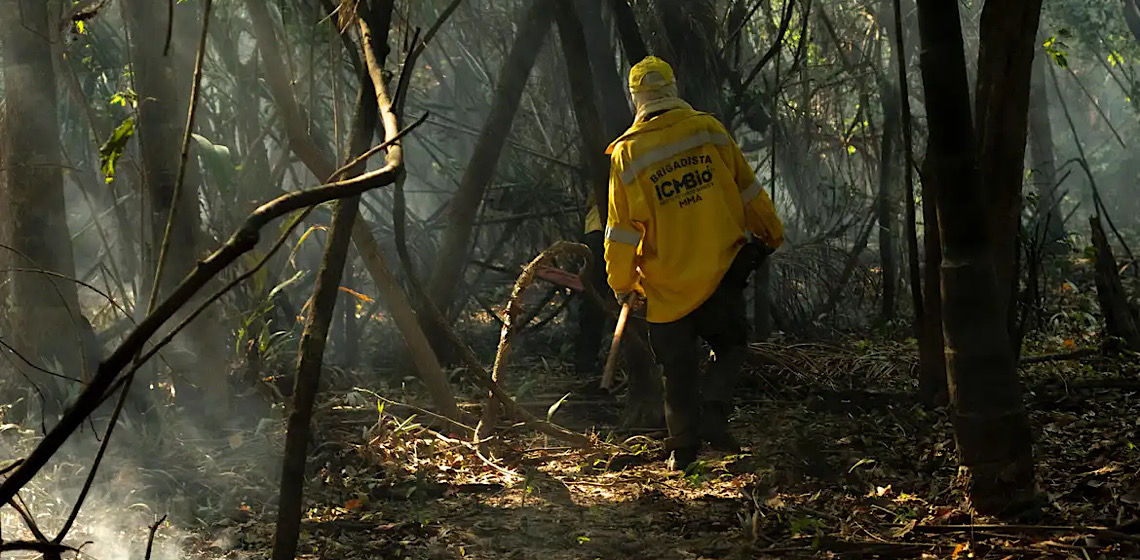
837,464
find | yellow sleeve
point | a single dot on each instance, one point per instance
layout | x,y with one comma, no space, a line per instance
759,212
623,238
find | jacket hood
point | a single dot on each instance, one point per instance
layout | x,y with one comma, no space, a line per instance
659,122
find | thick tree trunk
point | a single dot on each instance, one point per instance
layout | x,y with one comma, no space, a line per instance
610,86
931,350
574,51
45,318
1005,63
1048,229
464,205
5,220
632,42
991,426
163,84
687,40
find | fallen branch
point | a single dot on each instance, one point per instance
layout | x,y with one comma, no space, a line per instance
512,326
49,550
1001,527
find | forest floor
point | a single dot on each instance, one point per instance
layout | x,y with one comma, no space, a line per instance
838,463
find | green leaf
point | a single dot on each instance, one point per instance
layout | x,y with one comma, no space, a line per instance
113,148
286,284
554,407
217,160
1055,49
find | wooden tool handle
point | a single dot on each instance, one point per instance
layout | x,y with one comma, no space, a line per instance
611,360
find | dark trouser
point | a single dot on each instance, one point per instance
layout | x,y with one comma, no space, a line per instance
591,316
697,408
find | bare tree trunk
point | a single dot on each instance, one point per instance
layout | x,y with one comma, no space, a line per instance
1048,228
315,335
991,426
581,79
464,205
932,389
45,309
1005,63
1119,317
5,222
921,320
889,95
610,86
629,32
163,84
687,38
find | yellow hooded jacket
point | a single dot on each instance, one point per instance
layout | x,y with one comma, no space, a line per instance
681,198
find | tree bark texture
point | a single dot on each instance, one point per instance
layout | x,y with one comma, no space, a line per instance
885,204
1048,229
1119,317
991,426
581,78
610,86
931,350
685,36
464,206
632,42
45,316
315,335
163,84
1005,62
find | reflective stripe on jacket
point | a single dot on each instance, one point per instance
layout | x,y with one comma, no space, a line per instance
681,198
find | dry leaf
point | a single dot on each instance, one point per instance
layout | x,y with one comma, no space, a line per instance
901,532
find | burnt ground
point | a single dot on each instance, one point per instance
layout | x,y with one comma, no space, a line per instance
838,463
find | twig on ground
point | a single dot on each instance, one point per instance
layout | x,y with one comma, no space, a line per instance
150,537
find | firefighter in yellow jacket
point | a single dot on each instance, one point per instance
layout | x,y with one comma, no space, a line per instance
683,202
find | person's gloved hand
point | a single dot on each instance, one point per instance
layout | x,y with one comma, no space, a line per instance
632,298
